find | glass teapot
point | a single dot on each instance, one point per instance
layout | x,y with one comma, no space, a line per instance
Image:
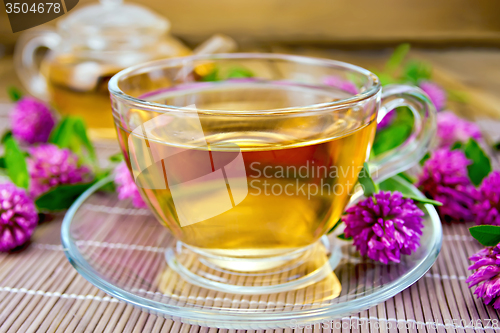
88,48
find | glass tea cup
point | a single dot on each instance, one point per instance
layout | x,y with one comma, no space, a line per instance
251,164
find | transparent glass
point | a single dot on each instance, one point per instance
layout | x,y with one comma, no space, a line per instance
249,171
91,44
121,250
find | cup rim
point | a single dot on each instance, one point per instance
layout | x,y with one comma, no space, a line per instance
374,83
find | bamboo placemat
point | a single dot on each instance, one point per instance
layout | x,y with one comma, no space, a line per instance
41,292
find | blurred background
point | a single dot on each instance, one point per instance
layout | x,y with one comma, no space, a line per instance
460,38
327,22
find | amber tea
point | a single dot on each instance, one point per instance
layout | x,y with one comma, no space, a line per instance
291,190
81,88
249,172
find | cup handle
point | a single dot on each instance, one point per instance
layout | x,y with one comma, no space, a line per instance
416,146
25,59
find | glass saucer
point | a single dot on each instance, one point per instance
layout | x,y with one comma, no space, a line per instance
124,251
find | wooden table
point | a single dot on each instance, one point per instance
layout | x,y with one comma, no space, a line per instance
41,292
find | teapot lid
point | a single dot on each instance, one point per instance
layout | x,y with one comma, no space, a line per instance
113,20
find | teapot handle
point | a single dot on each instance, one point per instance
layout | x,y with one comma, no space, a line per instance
25,59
